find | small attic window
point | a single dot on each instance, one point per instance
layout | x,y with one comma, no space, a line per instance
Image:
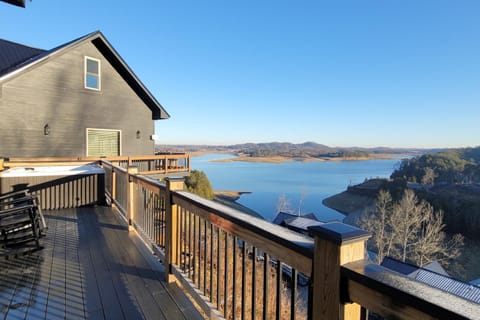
92,73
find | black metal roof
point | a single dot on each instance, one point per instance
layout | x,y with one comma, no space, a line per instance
18,3
301,223
282,216
16,58
399,266
14,54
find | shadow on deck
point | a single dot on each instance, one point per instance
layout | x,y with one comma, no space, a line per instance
91,267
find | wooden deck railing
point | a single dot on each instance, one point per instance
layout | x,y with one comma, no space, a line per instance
239,267
151,164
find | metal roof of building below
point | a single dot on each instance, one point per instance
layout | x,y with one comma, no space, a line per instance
440,279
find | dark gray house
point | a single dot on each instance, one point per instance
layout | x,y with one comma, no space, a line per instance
79,99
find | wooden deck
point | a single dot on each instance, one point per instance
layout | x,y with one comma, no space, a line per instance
91,267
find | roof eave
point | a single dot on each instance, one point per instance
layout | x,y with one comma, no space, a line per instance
18,3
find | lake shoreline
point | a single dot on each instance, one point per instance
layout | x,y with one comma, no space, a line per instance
282,159
304,184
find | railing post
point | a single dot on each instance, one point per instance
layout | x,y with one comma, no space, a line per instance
171,223
114,185
335,244
131,195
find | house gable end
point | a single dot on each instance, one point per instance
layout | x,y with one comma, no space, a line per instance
107,51
50,92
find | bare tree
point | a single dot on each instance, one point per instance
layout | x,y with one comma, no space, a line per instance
432,243
406,220
283,204
377,220
301,200
410,230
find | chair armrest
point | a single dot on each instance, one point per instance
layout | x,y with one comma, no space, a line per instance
12,194
15,210
17,202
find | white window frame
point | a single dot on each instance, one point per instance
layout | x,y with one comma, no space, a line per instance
100,129
99,75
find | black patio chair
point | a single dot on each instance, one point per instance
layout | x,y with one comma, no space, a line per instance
21,223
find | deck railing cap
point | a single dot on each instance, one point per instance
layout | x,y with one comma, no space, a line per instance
177,179
339,232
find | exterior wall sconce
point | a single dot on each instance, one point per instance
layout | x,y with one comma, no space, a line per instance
46,130
138,134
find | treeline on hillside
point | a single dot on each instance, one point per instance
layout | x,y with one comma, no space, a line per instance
454,166
304,150
345,154
292,150
450,181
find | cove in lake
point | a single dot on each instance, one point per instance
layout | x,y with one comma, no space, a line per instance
312,181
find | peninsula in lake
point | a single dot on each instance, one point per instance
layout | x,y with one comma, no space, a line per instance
286,151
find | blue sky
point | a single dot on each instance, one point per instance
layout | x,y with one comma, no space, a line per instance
398,73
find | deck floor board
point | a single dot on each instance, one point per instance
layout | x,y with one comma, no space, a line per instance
91,267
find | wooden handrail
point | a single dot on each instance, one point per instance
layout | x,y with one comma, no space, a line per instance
113,167
148,183
148,164
394,295
292,248
109,158
339,277
358,282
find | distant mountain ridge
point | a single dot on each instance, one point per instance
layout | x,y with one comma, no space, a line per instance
307,149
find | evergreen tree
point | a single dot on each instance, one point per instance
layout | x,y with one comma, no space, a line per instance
198,183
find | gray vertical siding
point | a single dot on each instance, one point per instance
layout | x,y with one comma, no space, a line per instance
53,92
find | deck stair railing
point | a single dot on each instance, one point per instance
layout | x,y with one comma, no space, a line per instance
239,267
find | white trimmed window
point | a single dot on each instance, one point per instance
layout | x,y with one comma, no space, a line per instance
92,74
102,142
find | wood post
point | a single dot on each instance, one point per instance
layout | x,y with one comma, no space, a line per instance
335,244
171,223
131,195
114,186
1,169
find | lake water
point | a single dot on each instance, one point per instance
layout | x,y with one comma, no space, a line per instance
312,181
